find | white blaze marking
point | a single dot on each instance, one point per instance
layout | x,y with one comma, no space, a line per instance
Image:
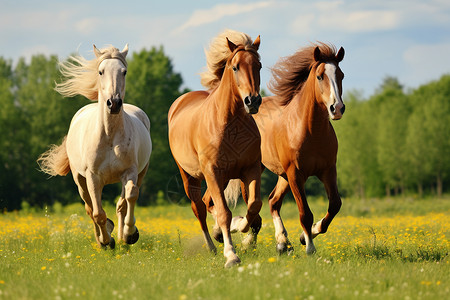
335,98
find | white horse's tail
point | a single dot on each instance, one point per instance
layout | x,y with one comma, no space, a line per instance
232,191
55,161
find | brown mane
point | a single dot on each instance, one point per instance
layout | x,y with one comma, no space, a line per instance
290,73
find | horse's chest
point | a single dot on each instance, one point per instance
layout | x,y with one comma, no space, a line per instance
317,153
240,144
112,159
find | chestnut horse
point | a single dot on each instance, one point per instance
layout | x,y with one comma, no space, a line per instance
297,138
213,137
107,142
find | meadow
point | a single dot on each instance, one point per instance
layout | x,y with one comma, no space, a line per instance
381,248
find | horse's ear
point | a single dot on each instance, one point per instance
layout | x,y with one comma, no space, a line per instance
97,52
257,42
317,54
340,55
125,51
231,45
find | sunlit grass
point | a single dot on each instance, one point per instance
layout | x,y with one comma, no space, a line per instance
48,254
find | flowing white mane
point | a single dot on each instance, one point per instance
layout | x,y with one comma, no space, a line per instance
82,74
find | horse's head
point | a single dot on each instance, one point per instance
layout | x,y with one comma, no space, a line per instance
112,69
245,66
328,83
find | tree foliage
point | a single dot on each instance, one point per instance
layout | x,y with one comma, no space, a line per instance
396,142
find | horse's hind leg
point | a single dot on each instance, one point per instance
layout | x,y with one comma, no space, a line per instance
297,184
192,187
329,180
275,202
250,188
99,234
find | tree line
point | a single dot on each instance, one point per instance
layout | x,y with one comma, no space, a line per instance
394,142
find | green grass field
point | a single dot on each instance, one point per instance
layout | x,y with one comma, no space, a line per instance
390,249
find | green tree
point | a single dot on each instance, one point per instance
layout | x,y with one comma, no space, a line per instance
47,117
153,85
436,113
393,111
357,167
13,142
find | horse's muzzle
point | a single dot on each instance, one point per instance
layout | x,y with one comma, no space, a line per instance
337,113
252,103
114,105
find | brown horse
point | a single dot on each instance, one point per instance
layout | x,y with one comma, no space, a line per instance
213,137
297,138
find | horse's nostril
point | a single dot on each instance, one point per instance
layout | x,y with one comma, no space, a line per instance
343,109
247,100
109,103
258,100
332,109
119,103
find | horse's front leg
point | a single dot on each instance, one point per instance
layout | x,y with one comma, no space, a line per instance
131,182
329,180
223,218
103,226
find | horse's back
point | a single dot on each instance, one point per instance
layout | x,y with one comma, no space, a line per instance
187,104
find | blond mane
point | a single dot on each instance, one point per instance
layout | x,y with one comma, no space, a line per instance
81,75
218,54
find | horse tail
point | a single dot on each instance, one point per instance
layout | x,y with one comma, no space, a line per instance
232,192
55,161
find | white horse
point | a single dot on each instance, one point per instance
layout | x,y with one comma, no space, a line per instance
107,142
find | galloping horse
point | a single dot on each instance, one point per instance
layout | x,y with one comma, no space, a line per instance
213,137
297,138
107,142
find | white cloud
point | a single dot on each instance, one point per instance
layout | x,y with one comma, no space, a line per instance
218,12
87,26
334,16
362,21
426,62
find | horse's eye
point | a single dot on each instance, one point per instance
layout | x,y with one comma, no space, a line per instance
235,69
100,73
319,77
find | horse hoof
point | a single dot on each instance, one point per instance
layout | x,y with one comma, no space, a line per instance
109,225
217,235
256,225
232,262
132,239
311,250
302,239
285,248
110,245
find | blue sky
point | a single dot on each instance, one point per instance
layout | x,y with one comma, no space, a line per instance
407,39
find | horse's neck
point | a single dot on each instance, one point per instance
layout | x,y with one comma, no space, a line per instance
308,113
226,103
109,125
